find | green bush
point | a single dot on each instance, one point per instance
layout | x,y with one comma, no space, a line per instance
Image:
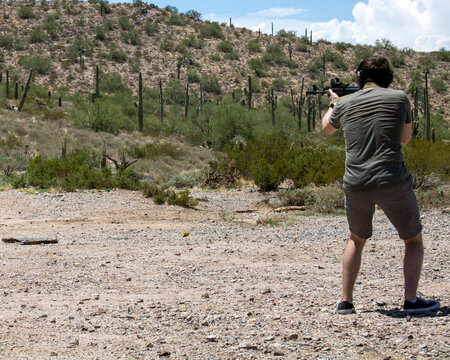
425,158
225,47
442,55
284,33
51,25
155,150
174,92
25,12
124,23
167,45
253,46
39,64
268,160
132,37
212,30
151,28
192,41
274,54
438,85
211,84
37,36
193,77
258,66
397,59
111,82
6,42
100,33
317,164
117,55
194,15
79,46
301,47
176,19
180,181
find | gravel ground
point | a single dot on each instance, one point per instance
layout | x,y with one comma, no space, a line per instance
123,282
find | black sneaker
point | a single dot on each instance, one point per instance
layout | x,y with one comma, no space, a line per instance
344,308
420,306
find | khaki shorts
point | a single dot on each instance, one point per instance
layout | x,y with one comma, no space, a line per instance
398,203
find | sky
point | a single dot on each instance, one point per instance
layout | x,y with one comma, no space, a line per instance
423,25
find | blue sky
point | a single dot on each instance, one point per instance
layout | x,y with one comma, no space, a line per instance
422,25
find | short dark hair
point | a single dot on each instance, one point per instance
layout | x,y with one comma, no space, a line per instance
375,68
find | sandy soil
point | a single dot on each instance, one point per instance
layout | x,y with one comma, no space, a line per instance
123,283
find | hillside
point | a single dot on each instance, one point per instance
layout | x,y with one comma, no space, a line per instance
127,39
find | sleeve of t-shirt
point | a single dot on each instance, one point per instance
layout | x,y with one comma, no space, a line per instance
408,113
335,118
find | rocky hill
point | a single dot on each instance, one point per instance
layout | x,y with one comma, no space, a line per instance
64,41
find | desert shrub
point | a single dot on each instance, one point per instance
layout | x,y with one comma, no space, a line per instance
192,41
41,65
174,92
284,33
315,67
212,30
225,46
151,28
258,66
341,46
51,25
78,47
124,23
416,82
253,46
194,15
220,173
171,9
108,24
100,33
425,158
268,160
211,84
176,19
274,54
111,82
438,85
278,83
181,198
167,45
6,42
25,12
442,55
397,59
117,55
426,63
193,76
336,59
36,36
132,37
361,53
184,180
317,164
301,47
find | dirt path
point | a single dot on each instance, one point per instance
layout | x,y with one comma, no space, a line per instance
123,283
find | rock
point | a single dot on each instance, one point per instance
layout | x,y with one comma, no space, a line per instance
422,346
73,342
269,338
266,291
381,302
278,352
440,313
248,346
164,353
211,338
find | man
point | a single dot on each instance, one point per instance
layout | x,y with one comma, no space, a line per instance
376,121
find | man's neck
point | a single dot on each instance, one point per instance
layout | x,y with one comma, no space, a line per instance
370,84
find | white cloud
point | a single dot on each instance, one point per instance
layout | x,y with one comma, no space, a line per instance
418,24
277,12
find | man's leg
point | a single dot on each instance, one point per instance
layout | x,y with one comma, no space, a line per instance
350,265
412,265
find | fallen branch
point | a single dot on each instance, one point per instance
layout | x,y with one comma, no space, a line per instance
292,208
30,241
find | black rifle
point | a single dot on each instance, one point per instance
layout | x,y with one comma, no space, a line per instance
337,87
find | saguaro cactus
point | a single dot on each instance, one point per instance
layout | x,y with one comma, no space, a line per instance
290,50
161,101
301,101
16,90
25,92
201,96
250,92
186,101
273,102
293,103
7,84
308,118
427,109
141,105
97,81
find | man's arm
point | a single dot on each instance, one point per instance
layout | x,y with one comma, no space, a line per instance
327,128
406,133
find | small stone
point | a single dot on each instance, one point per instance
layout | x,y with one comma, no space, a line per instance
248,346
381,303
267,291
211,338
440,313
293,337
128,279
205,296
423,346
278,352
269,338
365,334
53,353
73,342
149,345
165,353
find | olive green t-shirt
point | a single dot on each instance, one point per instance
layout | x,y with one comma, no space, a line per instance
372,121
